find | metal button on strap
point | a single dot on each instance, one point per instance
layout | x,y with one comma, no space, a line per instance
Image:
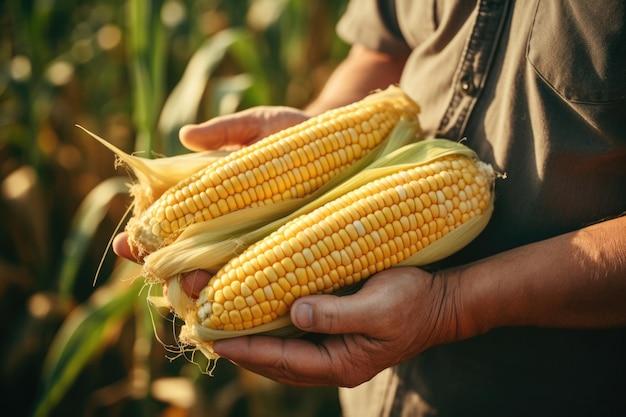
467,84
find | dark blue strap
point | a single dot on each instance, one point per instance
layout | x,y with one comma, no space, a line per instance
387,9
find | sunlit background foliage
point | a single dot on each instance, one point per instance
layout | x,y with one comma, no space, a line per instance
132,71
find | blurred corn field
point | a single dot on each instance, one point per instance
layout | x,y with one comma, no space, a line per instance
133,71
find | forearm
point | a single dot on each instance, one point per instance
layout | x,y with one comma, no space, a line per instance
363,71
576,280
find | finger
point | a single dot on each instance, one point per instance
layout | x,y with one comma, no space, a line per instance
292,361
242,128
194,282
371,311
236,129
361,312
334,361
122,248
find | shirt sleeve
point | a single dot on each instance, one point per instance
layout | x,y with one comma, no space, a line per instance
363,24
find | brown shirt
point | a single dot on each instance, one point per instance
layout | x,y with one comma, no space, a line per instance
538,88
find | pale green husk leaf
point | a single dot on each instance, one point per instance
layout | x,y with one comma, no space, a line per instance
155,176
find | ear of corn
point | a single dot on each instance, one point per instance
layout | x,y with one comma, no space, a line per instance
289,164
414,207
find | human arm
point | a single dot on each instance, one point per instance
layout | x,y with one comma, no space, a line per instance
575,280
361,72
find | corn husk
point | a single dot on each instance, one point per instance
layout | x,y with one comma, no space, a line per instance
152,177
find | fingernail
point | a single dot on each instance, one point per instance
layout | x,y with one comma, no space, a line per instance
304,316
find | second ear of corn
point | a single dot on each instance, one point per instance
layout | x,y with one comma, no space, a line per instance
366,231
420,204
379,225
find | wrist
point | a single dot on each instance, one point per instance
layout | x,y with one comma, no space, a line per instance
469,301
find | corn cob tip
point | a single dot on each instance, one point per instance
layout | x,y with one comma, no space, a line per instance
141,238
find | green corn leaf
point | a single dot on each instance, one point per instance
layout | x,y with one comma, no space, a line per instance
84,226
84,333
182,104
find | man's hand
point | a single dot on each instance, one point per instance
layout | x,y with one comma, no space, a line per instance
396,315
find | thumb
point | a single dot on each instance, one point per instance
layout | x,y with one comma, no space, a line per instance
331,314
